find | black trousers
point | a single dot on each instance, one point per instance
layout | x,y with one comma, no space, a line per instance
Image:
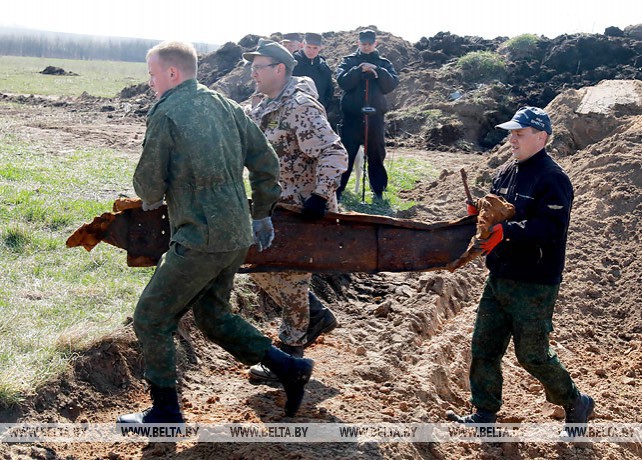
352,136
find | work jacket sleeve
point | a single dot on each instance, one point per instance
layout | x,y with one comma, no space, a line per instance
328,92
151,176
263,166
387,77
349,74
319,142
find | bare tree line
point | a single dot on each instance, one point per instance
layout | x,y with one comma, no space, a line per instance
21,42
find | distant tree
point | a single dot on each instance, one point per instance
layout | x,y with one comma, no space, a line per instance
22,42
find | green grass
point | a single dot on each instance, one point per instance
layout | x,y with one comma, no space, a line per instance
21,75
403,175
522,46
481,66
55,300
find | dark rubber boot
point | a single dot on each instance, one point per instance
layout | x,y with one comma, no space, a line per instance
322,320
578,413
261,373
165,408
293,373
296,351
480,416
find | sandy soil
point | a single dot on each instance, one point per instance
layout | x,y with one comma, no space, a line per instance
402,351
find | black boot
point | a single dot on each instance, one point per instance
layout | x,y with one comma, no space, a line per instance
322,320
296,351
479,416
293,373
261,373
165,408
578,413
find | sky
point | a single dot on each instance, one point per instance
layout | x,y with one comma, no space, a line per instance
220,21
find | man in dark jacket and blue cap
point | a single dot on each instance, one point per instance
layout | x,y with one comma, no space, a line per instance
366,77
525,258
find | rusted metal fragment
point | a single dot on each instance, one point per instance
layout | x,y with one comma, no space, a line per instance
143,234
492,209
338,243
89,235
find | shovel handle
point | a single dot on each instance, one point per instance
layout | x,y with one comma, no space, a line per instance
464,179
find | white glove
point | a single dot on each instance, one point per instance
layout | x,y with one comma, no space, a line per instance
263,233
153,206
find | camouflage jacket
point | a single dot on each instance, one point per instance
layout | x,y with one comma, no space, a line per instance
311,154
195,150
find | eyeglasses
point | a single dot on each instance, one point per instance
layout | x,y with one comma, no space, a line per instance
257,67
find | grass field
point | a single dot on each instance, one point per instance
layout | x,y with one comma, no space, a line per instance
55,301
403,174
21,75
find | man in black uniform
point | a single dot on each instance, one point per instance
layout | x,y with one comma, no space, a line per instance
366,77
525,257
292,42
311,64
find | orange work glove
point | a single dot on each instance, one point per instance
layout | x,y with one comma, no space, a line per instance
471,209
488,244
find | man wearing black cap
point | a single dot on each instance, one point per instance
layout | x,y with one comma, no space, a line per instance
292,42
312,160
311,64
525,257
365,77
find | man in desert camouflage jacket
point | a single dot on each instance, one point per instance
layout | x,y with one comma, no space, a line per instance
312,161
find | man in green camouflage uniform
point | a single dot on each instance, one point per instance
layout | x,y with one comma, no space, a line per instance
312,161
195,150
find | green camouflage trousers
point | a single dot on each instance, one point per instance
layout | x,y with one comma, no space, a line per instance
186,279
289,290
525,312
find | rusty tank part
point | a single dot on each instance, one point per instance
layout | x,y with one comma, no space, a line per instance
338,243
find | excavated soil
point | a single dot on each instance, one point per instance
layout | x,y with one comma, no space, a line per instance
402,351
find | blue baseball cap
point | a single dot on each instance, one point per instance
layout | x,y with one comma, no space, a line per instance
525,117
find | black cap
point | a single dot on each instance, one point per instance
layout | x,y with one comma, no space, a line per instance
368,36
292,37
312,38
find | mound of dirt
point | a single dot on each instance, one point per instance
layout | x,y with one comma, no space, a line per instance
52,70
435,105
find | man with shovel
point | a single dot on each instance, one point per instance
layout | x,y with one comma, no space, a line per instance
366,77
